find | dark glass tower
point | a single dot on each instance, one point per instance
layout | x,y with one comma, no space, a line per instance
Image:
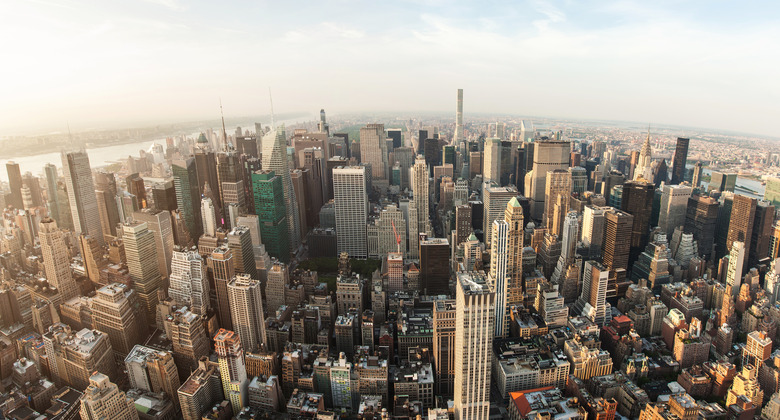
680,159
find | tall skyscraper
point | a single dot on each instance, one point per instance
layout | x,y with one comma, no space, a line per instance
56,259
351,203
495,200
637,195
617,245
697,173
700,220
201,390
680,159
239,240
161,225
444,349
513,217
190,342
498,274
593,299
762,232
474,328
736,266
275,159
141,255
231,366
419,178
558,190
547,156
674,206
644,170
569,238
115,312
189,284
743,215
81,194
491,161
185,181
757,350
52,192
209,216
74,356
459,137
103,400
434,266
222,270
246,308
373,149
15,183
105,193
268,192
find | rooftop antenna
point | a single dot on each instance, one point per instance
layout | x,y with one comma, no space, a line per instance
70,136
224,132
273,116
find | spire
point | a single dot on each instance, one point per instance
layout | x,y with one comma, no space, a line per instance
273,116
224,132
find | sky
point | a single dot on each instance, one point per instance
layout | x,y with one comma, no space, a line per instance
100,63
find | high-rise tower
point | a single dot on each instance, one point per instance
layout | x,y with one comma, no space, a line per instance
351,203
275,159
103,400
556,200
743,215
420,188
56,260
15,183
680,159
458,137
246,308
231,366
498,278
644,170
271,212
185,180
81,194
373,149
548,155
189,285
142,265
474,328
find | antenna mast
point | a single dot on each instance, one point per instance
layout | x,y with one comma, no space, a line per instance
224,132
273,116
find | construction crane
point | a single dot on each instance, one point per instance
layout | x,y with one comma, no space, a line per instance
397,238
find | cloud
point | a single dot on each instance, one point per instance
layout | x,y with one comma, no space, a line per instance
169,4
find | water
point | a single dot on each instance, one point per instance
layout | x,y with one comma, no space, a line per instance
101,156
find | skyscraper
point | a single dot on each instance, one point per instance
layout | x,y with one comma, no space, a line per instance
700,220
593,299
547,156
105,193
239,240
637,196
115,312
495,201
434,266
697,173
209,216
246,308
735,267
558,189
81,194
185,181
56,260
444,349
498,279
190,342
762,232
458,136
15,183
373,149
161,225
491,161
513,217
743,215
153,370
103,400
141,255
189,284
268,193
419,175
757,350
231,366
222,269
674,205
474,328
351,203
52,192
275,159
680,159
617,245
643,170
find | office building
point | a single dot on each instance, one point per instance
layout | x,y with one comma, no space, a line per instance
201,390
743,215
373,149
74,356
758,349
592,303
474,327
154,371
558,189
547,156
81,194
116,312
434,266
106,193
643,171
190,342
736,266
209,216
268,191
246,307
185,181
674,207
762,232
239,240
495,202
351,204
230,353
491,161
222,270
680,160
636,198
722,182
419,179
275,159
498,278
103,400
618,227
444,322
189,283
700,220
56,259
142,264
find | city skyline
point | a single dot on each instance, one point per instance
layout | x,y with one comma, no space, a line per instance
171,61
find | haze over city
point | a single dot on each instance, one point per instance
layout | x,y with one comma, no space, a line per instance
114,64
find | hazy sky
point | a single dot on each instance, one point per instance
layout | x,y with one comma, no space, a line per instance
708,63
